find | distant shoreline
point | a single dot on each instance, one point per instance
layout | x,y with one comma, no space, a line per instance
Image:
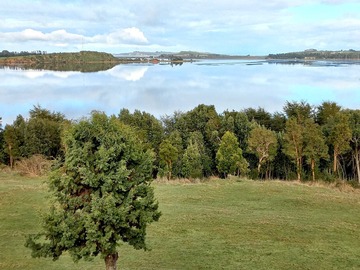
94,57
90,61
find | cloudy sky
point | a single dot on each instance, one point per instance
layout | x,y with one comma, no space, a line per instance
255,27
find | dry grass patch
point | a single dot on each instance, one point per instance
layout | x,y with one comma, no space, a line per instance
36,165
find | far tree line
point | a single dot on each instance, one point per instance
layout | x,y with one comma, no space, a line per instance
6,53
319,55
303,142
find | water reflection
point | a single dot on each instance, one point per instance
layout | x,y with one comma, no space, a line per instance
163,89
316,63
65,66
128,72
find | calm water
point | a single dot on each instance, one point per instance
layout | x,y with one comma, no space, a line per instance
163,89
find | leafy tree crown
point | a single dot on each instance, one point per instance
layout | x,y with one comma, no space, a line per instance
101,190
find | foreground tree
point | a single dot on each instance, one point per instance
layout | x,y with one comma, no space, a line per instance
168,153
14,140
191,161
237,123
203,119
229,157
294,142
315,147
355,139
325,111
338,133
2,152
299,110
102,194
259,115
263,143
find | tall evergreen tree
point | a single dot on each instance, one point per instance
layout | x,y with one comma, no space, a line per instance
169,154
191,162
102,194
260,116
325,111
148,129
43,132
299,110
237,123
229,158
14,140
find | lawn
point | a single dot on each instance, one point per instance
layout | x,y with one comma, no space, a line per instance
219,224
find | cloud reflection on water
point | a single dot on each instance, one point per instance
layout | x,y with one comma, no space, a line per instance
162,89
128,72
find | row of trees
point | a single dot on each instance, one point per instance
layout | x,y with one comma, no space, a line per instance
335,55
303,142
6,53
40,134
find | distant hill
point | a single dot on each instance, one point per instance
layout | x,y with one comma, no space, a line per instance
76,57
84,61
186,55
137,54
313,54
205,55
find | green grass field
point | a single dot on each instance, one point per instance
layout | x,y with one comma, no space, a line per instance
220,224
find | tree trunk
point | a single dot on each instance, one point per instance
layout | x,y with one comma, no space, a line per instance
357,163
298,169
260,163
335,162
110,261
11,157
313,169
268,171
259,168
169,169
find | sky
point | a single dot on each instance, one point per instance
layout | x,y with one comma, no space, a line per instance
238,27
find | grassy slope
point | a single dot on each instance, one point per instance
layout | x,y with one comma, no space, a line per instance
216,225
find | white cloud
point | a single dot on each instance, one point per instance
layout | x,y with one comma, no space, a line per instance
34,74
338,2
332,34
27,34
31,35
61,45
62,37
128,35
219,26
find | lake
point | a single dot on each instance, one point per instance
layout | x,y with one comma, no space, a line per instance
163,89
